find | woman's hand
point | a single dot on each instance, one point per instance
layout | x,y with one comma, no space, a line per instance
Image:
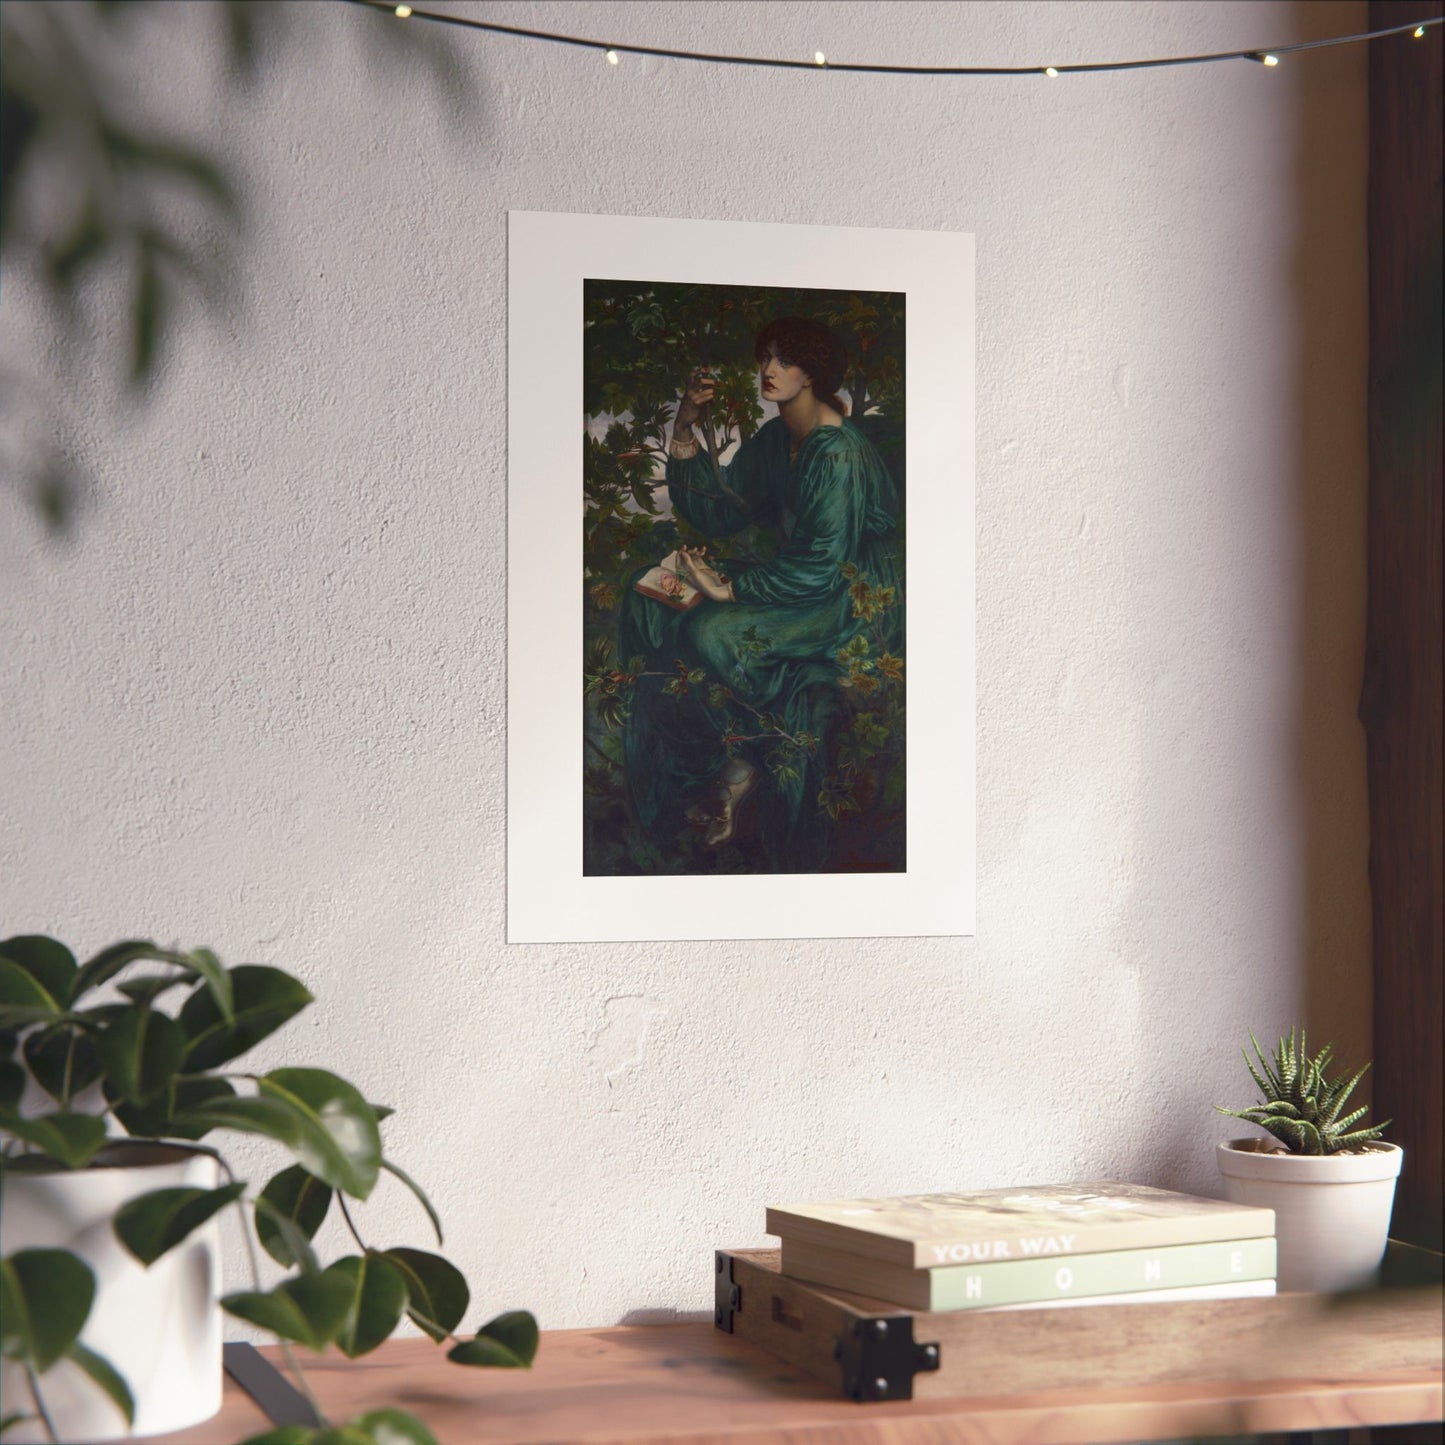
707,581
700,390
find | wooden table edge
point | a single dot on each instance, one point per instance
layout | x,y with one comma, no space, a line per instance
618,1368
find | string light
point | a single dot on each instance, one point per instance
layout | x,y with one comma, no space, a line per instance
612,57
1262,57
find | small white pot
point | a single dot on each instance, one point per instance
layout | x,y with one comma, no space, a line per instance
1331,1211
160,1327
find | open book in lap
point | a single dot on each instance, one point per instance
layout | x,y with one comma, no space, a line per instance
669,584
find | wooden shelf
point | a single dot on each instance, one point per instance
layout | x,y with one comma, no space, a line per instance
668,1384
1136,1372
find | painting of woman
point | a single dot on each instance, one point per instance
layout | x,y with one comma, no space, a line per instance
742,702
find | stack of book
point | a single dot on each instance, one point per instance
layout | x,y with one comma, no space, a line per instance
1048,1245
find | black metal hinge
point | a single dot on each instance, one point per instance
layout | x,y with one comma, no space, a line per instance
880,1358
727,1296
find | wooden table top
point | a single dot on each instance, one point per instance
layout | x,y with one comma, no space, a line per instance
691,1384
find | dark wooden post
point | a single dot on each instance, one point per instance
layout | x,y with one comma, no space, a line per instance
1400,702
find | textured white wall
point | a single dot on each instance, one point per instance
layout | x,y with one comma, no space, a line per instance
257,701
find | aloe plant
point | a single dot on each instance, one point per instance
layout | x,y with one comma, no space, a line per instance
170,1073
1301,1107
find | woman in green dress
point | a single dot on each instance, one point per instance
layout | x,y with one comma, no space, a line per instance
755,736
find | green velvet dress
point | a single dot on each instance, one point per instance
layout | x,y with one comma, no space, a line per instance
774,648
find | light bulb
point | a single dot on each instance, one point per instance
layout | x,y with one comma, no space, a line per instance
1419,32
1271,60
1051,72
612,57
402,11
819,58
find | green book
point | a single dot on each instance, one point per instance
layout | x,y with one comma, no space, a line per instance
1034,1281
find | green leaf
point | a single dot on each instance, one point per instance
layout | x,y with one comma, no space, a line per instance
1345,1090
52,965
299,1197
63,1059
507,1342
268,1117
271,1118
291,1238
341,1142
161,1116
209,967
109,962
393,1427
284,1435
437,1294
71,1138
309,1309
1338,1126
96,1016
377,1297
148,989
278,1114
264,999
106,1376
1361,1136
153,1223
342,1435
20,1016
12,1085
45,1299
23,998
416,1189
141,1051
484,1352
517,1331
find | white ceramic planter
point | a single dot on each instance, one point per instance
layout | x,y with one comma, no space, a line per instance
1331,1212
160,1327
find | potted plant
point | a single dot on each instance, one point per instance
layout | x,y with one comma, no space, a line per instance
114,1080
1331,1185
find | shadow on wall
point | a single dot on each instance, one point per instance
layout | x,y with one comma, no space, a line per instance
117,225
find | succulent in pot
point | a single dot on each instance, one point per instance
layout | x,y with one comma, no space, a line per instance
116,1079
1329,1180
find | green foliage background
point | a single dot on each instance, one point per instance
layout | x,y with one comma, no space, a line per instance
641,342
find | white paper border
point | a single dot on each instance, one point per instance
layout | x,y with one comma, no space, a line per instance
548,898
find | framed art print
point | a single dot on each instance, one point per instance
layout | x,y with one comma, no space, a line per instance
740,677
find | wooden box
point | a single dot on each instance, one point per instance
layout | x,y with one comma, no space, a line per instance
873,1350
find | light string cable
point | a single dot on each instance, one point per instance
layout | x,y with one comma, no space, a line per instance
613,50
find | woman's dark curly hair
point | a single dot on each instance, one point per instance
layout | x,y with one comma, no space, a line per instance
812,346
